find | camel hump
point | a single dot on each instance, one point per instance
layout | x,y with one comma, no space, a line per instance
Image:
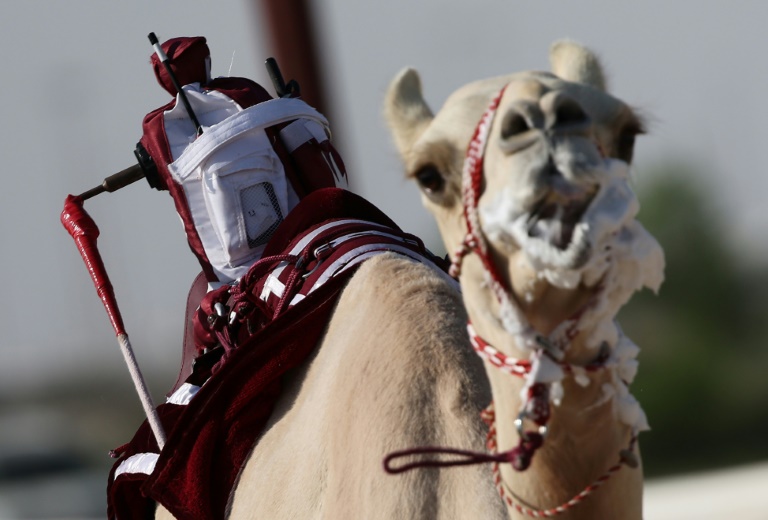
574,62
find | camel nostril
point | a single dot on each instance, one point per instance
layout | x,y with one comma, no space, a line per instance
569,112
513,124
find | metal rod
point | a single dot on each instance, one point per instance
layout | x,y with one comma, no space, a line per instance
278,83
140,384
182,95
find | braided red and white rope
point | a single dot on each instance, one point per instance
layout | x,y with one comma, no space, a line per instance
474,242
489,416
508,364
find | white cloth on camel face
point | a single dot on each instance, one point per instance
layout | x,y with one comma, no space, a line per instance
233,180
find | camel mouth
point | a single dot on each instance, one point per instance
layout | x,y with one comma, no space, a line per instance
566,227
553,219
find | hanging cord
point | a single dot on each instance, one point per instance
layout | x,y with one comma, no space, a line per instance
627,457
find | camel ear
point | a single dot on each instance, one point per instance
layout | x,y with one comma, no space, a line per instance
574,62
405,110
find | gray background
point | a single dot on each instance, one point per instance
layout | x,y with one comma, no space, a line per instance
77,84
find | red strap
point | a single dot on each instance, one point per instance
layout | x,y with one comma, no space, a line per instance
196,293
84,231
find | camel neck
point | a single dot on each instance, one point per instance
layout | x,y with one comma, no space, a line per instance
583,417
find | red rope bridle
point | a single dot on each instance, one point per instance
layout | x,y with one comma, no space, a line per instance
471,188
536,408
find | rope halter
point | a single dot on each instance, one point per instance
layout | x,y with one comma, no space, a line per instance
511,316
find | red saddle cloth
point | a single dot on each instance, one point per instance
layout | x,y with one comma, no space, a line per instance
262,328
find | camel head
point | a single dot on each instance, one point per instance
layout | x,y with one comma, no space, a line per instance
554,193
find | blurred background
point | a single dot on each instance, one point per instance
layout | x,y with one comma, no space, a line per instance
78,83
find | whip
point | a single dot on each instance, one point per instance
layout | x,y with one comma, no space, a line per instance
84,231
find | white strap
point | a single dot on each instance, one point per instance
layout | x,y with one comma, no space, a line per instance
139,463
301,131
264,114
184,394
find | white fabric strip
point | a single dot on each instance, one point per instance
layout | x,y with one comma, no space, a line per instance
355,257
340,240
361,253
139,463
301,131
341,178
210,106
268,113
272,286
184,394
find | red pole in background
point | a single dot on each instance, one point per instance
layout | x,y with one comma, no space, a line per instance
293,42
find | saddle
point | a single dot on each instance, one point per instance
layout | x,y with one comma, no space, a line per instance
247,337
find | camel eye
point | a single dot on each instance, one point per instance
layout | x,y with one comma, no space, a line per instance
430,179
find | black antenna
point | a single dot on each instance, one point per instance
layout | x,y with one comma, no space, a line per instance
281,88
167,64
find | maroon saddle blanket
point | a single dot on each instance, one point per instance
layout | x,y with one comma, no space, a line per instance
248,337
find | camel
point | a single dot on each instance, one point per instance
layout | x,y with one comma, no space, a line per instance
395,368
527,178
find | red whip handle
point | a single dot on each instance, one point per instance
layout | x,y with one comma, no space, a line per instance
84,231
